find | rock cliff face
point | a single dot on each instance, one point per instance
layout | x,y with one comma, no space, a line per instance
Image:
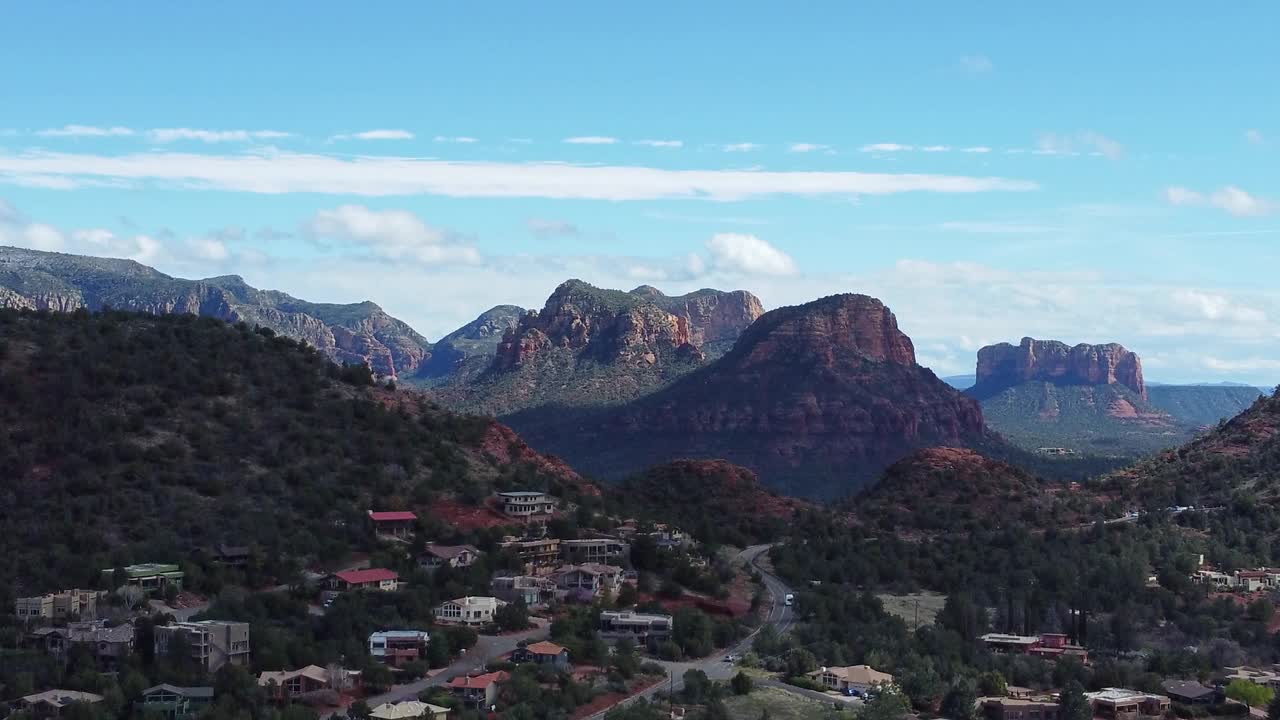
1005,365
471,347
716,318
817,399
359,333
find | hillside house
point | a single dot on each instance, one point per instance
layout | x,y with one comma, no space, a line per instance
409,710
606,551
1243,580
51,703
400,524
1124,704
530,589
1048,645
398,647
213,643
309,683
149,577
234,556
1258,676
379,579
851,680
478,690
454,556
542,653
472,611
1190,692
526,505
62,605
176,703
645,629
109,645
540,557
588,580
1016,708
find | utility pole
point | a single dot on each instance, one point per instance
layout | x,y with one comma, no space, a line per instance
917,627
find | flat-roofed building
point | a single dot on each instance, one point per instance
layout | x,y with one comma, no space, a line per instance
213,643
645,629
526,504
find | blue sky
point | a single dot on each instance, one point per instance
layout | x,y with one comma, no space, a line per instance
1088,173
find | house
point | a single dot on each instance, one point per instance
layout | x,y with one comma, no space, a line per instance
236,556
1269,678
59,606
109,645
542,653
591,579
409,710
851,680
398,524
609,551
149,577
645,629
1189,692
1251,580
51,703
1048,645
469,610
540,557
397,647
308,683
454,556
1011,708
478,690
1124,704
530,589
176,703
213,643
380,579
526,505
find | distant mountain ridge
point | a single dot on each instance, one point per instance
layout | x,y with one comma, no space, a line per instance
470,348
355,333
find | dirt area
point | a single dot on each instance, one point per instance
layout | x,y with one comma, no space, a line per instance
779,706
469,517
905,606
606,700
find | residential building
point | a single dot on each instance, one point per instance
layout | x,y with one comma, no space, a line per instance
109,644
399,524
454,556
1244,580
478,690
589,579
1047,645
526,505
213,643
644,629
308,682
397,647
542,653
176,703
409,710
851,680
531,589
150,577
540,557
380,579
1189,692
608,551
1011,708
1124,704
59,606
51,703
469,610
236,556
1269,678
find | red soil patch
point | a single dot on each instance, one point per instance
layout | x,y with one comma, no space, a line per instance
507,448
468,517
608,700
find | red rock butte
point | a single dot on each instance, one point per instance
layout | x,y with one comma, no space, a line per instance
1005,365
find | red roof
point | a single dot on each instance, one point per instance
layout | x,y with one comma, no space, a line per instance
392,515
545,648
477,681
360,577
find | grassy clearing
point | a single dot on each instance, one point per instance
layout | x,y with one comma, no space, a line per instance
904,606
780,706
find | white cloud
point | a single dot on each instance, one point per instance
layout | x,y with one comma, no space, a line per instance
284,172
168,135
661,143
391,234
935,148
981,149
591,140
886,148
520,140
85,131
748,254
741,147
461,139
544,227
1254,136
209,248
1089,141
1230,198
379,134
976,64
807,147
1251,364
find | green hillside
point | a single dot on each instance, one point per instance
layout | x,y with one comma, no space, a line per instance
1202,405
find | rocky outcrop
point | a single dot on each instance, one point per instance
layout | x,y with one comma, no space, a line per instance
716,318
817,399
473,345
1005,365
359,333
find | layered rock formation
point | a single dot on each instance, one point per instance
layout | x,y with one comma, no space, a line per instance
471,347
715,318
358,333
817,399
1005,365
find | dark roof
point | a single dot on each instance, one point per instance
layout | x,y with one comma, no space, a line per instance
191,692
227,551
1186,688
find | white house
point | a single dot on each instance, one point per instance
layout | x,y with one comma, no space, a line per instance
469,610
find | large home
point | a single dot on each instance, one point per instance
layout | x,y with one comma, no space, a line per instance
176,703
1269,678
1011,708
51,703
1189,692
380,579
469,610
542,653
1047,645
645,629
236,556
109,645
594,550
309,682
540,557
588,579
526,505
851,680
213,643
530,589
150,577
454,556
393,523
1246,580
59,606
1124,704
409,710
478,690
397,647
